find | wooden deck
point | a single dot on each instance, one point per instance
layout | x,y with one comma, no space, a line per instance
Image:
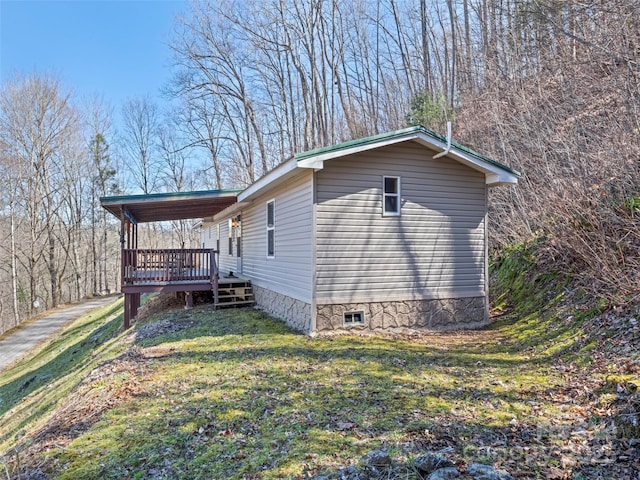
169,265
179,270
168,270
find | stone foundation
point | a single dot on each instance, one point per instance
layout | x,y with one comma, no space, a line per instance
295,313
438,315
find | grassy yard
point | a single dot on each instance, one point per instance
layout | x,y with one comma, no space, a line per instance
236,394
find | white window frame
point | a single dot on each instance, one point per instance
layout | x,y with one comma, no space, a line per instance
385,195
218,238
270,228
230,241
351,314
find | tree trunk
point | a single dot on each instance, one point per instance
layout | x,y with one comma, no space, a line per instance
14,269
53,271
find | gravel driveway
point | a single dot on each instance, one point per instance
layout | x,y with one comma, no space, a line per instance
24,339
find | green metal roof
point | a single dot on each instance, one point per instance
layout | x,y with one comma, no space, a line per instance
170,195
398,134
206,203
157,207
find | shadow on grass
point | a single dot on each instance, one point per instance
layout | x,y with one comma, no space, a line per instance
236,394
362,373
64,359
274,412
547,336
246,449
237,339
226,324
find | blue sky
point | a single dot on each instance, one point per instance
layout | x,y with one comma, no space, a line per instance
117,48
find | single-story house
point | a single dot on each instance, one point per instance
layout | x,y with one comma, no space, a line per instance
382,232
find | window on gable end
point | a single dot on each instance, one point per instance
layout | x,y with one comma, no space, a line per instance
390,196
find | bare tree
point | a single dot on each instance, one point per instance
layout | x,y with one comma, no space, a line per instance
200,121
8,177
140,127
37,119
103,183
174,174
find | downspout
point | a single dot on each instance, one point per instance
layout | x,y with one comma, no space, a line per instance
448,149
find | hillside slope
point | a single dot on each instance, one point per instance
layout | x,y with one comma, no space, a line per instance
235,394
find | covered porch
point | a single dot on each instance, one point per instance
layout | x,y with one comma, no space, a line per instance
146,270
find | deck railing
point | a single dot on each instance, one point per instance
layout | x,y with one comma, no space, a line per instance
143,266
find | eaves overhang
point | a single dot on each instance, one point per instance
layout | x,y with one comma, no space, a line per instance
272,179
217,204
158,207
495,172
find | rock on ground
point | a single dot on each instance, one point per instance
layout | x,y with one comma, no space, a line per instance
480,471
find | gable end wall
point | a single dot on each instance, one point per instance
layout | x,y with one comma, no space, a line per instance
425,268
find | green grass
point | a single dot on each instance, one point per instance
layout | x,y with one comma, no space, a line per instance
236,394
33,388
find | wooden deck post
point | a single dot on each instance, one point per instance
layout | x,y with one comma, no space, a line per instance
136,305
213,271
188,296
131,306
127,310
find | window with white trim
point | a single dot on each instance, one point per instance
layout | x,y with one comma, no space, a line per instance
230,252
218,238
390,196
271,229
353,318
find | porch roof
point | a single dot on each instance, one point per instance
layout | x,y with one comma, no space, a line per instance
158,207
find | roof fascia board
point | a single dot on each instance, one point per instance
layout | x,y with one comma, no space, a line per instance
494,175
228,212
267,180
167,197
495,180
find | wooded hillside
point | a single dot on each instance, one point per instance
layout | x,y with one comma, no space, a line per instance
549,87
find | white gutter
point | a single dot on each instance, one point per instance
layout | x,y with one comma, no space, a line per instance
448,149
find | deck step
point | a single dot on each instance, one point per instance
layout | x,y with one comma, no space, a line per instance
235,294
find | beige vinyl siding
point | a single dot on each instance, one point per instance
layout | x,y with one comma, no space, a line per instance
290,271
227,263
434,249
209,235
208,238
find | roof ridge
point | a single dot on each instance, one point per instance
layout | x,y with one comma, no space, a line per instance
395,134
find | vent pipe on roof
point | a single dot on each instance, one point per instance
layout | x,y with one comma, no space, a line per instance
444,152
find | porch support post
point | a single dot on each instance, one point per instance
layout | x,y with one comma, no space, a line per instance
123,226
131,306
136,305
127,310
213,271
188,296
